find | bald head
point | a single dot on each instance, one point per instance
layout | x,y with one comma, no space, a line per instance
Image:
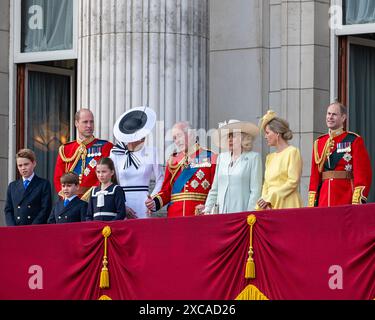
84,122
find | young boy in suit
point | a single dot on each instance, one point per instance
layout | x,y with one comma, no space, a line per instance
29,198
71,208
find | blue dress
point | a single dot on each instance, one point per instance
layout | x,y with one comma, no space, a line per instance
106,205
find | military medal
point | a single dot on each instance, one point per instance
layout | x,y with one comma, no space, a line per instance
194,184
200,175
93,163
347,157
344,147
206,184
87,172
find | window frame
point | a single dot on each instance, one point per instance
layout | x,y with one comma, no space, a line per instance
27,57
345,30
51,70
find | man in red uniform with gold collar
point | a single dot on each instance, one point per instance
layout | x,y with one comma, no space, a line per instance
341,168
188,176
82,155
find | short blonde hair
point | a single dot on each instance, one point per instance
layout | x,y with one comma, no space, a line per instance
246,141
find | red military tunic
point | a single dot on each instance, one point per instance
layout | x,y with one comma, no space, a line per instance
340,171
82,159
187,182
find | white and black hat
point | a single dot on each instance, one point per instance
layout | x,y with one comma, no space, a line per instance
135,124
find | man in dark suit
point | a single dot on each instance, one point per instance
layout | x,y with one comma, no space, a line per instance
29,198
71,208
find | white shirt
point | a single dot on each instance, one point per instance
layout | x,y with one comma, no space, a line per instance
135,182
29,178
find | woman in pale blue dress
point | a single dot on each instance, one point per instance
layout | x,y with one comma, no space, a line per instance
238,178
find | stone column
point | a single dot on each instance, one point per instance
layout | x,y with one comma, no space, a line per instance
143,52
304,70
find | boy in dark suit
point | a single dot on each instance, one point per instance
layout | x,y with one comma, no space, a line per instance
71,208
29,198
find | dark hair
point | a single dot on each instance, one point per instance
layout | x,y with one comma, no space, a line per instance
109,163
281,126
70,178
26,154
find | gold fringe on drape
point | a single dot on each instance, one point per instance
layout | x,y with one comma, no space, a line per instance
250,264
104,275
251,293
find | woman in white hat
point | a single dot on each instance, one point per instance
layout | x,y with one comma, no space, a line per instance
283,167
238,177
136,164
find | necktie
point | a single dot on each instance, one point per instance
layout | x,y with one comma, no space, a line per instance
66,202
26,184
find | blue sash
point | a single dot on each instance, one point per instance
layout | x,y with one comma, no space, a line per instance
184,177
189,172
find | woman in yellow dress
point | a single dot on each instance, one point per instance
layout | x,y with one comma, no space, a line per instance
283,167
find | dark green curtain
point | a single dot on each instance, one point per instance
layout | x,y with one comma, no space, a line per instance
48,119
362,99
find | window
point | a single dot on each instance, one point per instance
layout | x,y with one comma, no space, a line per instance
45,30
45,112
352,17
358,12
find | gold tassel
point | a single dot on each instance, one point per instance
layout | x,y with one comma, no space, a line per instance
86,196
250,264
251,293
104,275
105,298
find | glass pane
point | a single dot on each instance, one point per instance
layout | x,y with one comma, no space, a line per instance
48,118
359,11
362,99
47,25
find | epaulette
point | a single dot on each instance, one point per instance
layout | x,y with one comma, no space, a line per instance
100,143
69,143
323,135
355,134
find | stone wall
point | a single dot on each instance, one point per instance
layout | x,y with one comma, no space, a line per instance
4,101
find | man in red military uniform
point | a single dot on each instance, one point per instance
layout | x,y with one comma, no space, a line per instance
82,155
188,176
341,168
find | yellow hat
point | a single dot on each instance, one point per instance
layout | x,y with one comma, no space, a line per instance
267,118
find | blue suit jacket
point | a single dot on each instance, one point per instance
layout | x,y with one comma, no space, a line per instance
30,206
75,211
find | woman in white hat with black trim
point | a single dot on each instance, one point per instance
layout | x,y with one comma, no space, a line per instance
136,164
238,178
